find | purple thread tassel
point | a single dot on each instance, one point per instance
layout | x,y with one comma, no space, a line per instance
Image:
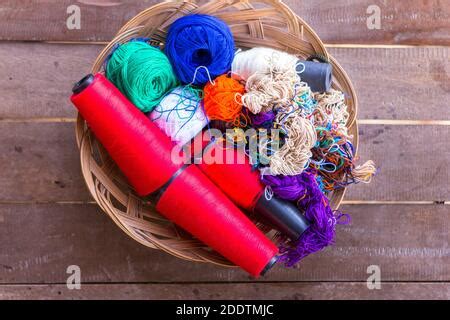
263,119
303,188
286,187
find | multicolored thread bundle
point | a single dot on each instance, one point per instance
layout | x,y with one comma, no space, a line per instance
274,110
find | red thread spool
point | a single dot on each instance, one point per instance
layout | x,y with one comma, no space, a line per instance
234,175
241,183
189,198
128,136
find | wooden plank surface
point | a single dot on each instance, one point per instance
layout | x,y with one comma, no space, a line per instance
398,84
39,242
40,162
413,163
36,79
340,21
47,220
245,291
402,22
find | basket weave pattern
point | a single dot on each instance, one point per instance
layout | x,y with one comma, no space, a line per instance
268,23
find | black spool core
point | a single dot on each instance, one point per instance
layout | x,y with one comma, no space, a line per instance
269,265
83,83
283,215
316,72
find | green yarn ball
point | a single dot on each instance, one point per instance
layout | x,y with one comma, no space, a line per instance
142,73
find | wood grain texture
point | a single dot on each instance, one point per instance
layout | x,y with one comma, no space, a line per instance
36,79
407,242
48,223
399,83
40,162
413,163
340,21
402,84
402,22
235,291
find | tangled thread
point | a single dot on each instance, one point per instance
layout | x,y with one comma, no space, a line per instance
331,108
267,91
261,60
333,159
180,114
304,100
197,41
293,157
333,156
364,172
271,78
141,72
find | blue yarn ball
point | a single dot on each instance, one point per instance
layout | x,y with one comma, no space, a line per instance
199,40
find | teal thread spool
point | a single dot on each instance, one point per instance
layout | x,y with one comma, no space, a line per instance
142,73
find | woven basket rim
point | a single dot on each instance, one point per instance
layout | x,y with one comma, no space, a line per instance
124,207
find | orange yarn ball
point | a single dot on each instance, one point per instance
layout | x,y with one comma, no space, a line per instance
223,101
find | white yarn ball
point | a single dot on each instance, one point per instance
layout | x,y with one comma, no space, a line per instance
260,59
180,115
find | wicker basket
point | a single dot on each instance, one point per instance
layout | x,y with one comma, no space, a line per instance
268,23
